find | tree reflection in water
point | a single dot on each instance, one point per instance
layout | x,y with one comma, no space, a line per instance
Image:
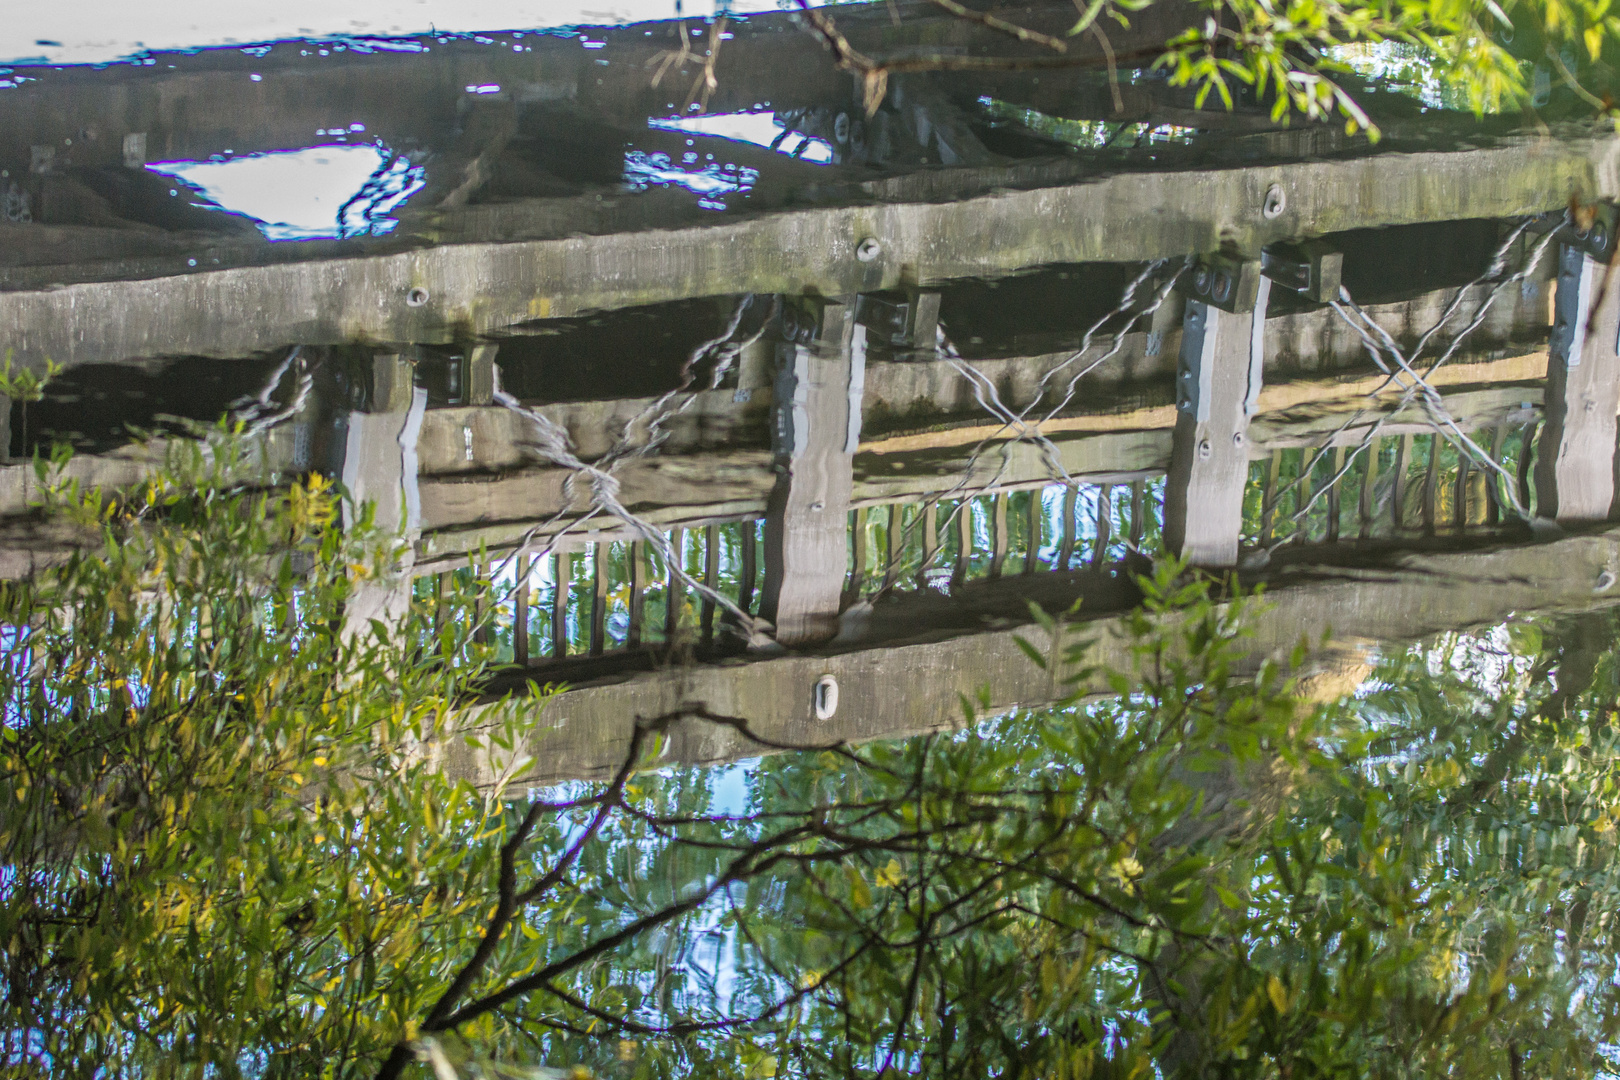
227,852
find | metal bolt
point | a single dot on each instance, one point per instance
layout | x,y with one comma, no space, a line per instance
416,297
824,698
868,249
1237,438
1275,203
1222,289
1205,450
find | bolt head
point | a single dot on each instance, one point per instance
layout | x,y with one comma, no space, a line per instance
1275,202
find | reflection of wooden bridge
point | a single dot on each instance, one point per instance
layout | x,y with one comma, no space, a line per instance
842,480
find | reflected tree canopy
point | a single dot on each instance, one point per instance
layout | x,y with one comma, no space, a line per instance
232,849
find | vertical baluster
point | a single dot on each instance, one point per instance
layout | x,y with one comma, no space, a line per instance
1479,495
1138,513
895,535
1369,481
1033,528
562,570
1459,495
599,596
1527,446
1268,497
857,568
441,613
638,594
745,591
1066,542
1335,487
998,529
964,539
1307,469
930,540
1403,459
520,614
674,591
1431,484
1105,525
711,577
481,614
1493,480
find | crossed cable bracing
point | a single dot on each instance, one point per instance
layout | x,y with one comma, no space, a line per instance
642,434
1018,421
1378,344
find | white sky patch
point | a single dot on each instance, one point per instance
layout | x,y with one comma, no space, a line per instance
759,128
300,194
96,31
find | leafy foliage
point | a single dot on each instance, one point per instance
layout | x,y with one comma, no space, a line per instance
236,845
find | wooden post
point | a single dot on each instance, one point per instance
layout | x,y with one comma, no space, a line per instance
1218,386
816,406
1574,470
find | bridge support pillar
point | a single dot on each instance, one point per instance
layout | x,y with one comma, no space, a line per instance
1575,460
1217,390
816,413
380,466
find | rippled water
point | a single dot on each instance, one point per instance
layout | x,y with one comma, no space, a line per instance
817,534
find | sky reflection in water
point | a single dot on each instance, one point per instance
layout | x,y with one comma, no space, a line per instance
316,193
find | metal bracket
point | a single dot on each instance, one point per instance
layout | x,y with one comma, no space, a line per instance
1225,282
1195,367
1596,238
808,319
1571,304
1313,268
905,320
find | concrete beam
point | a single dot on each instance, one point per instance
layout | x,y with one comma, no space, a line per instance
481,286
899,688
